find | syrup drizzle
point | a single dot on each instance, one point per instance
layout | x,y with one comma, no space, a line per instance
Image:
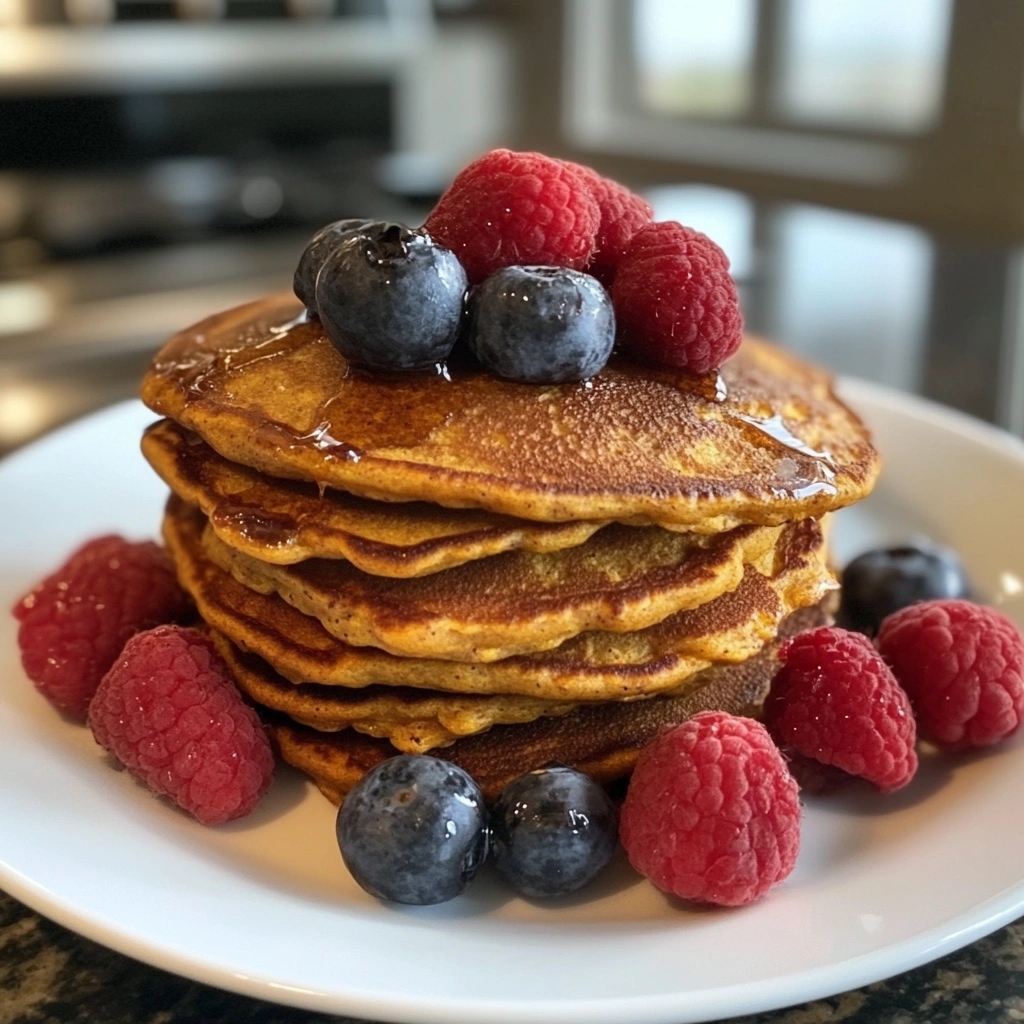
823,472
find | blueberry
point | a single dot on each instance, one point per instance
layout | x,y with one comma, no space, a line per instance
552,831
413,830
542,325
391,299
878,583
313,256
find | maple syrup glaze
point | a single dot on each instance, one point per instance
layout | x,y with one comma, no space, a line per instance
763,439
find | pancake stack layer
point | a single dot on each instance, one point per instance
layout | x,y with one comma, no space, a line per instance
500,574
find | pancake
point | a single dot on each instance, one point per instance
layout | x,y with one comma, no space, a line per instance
415,721
284,522
623,579
603,740
763,441
591,667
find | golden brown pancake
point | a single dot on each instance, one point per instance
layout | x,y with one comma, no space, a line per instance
764,441
593,666
625,578
603,740
415,721
286,521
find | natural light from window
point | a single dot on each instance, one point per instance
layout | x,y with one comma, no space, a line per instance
694,57
864,63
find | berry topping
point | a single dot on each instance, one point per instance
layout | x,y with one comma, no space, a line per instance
623,214
675,303
834,700
169,712
74,623
390,298
552,831
510,208
413,830
963,667
712,813
878,583
313,256
542,325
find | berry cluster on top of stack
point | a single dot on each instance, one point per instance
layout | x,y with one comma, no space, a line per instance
563,265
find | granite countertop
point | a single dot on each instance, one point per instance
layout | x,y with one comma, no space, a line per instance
49,975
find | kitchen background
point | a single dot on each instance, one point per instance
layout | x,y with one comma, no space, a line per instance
861,161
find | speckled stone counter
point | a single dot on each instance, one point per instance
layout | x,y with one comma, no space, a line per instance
49,975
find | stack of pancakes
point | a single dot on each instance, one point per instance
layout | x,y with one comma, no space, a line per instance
500,574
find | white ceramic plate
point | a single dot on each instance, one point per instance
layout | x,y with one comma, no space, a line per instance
264,906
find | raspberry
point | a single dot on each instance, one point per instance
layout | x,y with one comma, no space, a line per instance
75,622
669,237
675,302
169,712
510,208
962,666
834,700
712,813
623,214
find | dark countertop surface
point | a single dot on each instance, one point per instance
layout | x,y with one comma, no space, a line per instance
49,975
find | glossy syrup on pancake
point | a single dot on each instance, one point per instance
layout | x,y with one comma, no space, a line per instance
288,521
766,441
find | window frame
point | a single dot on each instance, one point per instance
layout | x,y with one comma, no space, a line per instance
881,171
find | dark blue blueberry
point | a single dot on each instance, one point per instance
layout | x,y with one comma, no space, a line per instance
878,583
552,831
413,830
313,256
391,299
542,325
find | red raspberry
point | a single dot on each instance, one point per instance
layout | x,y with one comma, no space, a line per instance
669,237
835,700
675,303
169,712
74,623
962,666
510,208
623,214
712,813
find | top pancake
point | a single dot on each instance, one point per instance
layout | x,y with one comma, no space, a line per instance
763,441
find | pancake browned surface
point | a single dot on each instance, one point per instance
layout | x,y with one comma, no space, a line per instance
623,579
602,740
765,441
286,521
593,666
415,721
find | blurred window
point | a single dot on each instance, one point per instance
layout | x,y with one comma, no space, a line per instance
864,63
860,104
694,58
853,292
